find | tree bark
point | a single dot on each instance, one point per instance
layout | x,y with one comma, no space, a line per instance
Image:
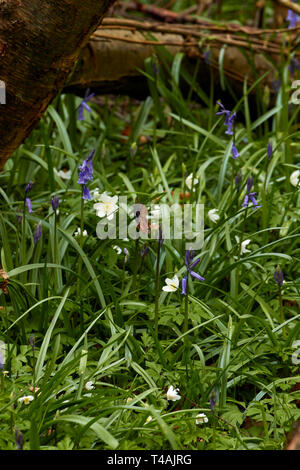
39,43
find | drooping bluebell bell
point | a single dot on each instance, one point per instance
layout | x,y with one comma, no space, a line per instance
207,56
83,105
238,179
190,264
55,203
229,118
29,187
38,233
235,153
86,175
249,184
294,66
276,84
251,197
28,204
292,17
19,439
213,400
27,199
270,150
278,276
32,341
144,251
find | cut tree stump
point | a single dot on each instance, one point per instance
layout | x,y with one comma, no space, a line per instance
39,43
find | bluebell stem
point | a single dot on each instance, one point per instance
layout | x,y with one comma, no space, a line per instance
83,105
270,150
86,175
55,203
38,233
278,276
19,439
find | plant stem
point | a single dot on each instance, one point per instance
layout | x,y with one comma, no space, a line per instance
157,287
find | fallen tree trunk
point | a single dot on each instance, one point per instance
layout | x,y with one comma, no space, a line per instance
39,43
111,61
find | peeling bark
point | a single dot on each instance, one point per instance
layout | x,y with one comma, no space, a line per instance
39,43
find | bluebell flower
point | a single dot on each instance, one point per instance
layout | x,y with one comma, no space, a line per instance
86,175
55,203
213,400
229,118
29,187
270,150
190,264
294,65
238,179
28,204
248,197
249,184
278,276
292,18
83,105
38,233
235,153
19,439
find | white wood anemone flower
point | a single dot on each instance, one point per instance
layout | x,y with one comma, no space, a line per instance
107,206
213,215
172,284
295,178
172,394
89,385
201,418
64,175
243,245
26,400
191,179
78,233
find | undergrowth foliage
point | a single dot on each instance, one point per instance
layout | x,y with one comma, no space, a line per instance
137,344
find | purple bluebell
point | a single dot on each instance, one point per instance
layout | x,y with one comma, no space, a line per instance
278,276
1,361
86,175
251,196
144,251
38,233
28,204
294,66
207,57
270,150
55,203
213,401
276,84
19,439
238,179
190,264
160,236
249,184
229,118
83,105
29,187
155,67
235,153
292,18
32,341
